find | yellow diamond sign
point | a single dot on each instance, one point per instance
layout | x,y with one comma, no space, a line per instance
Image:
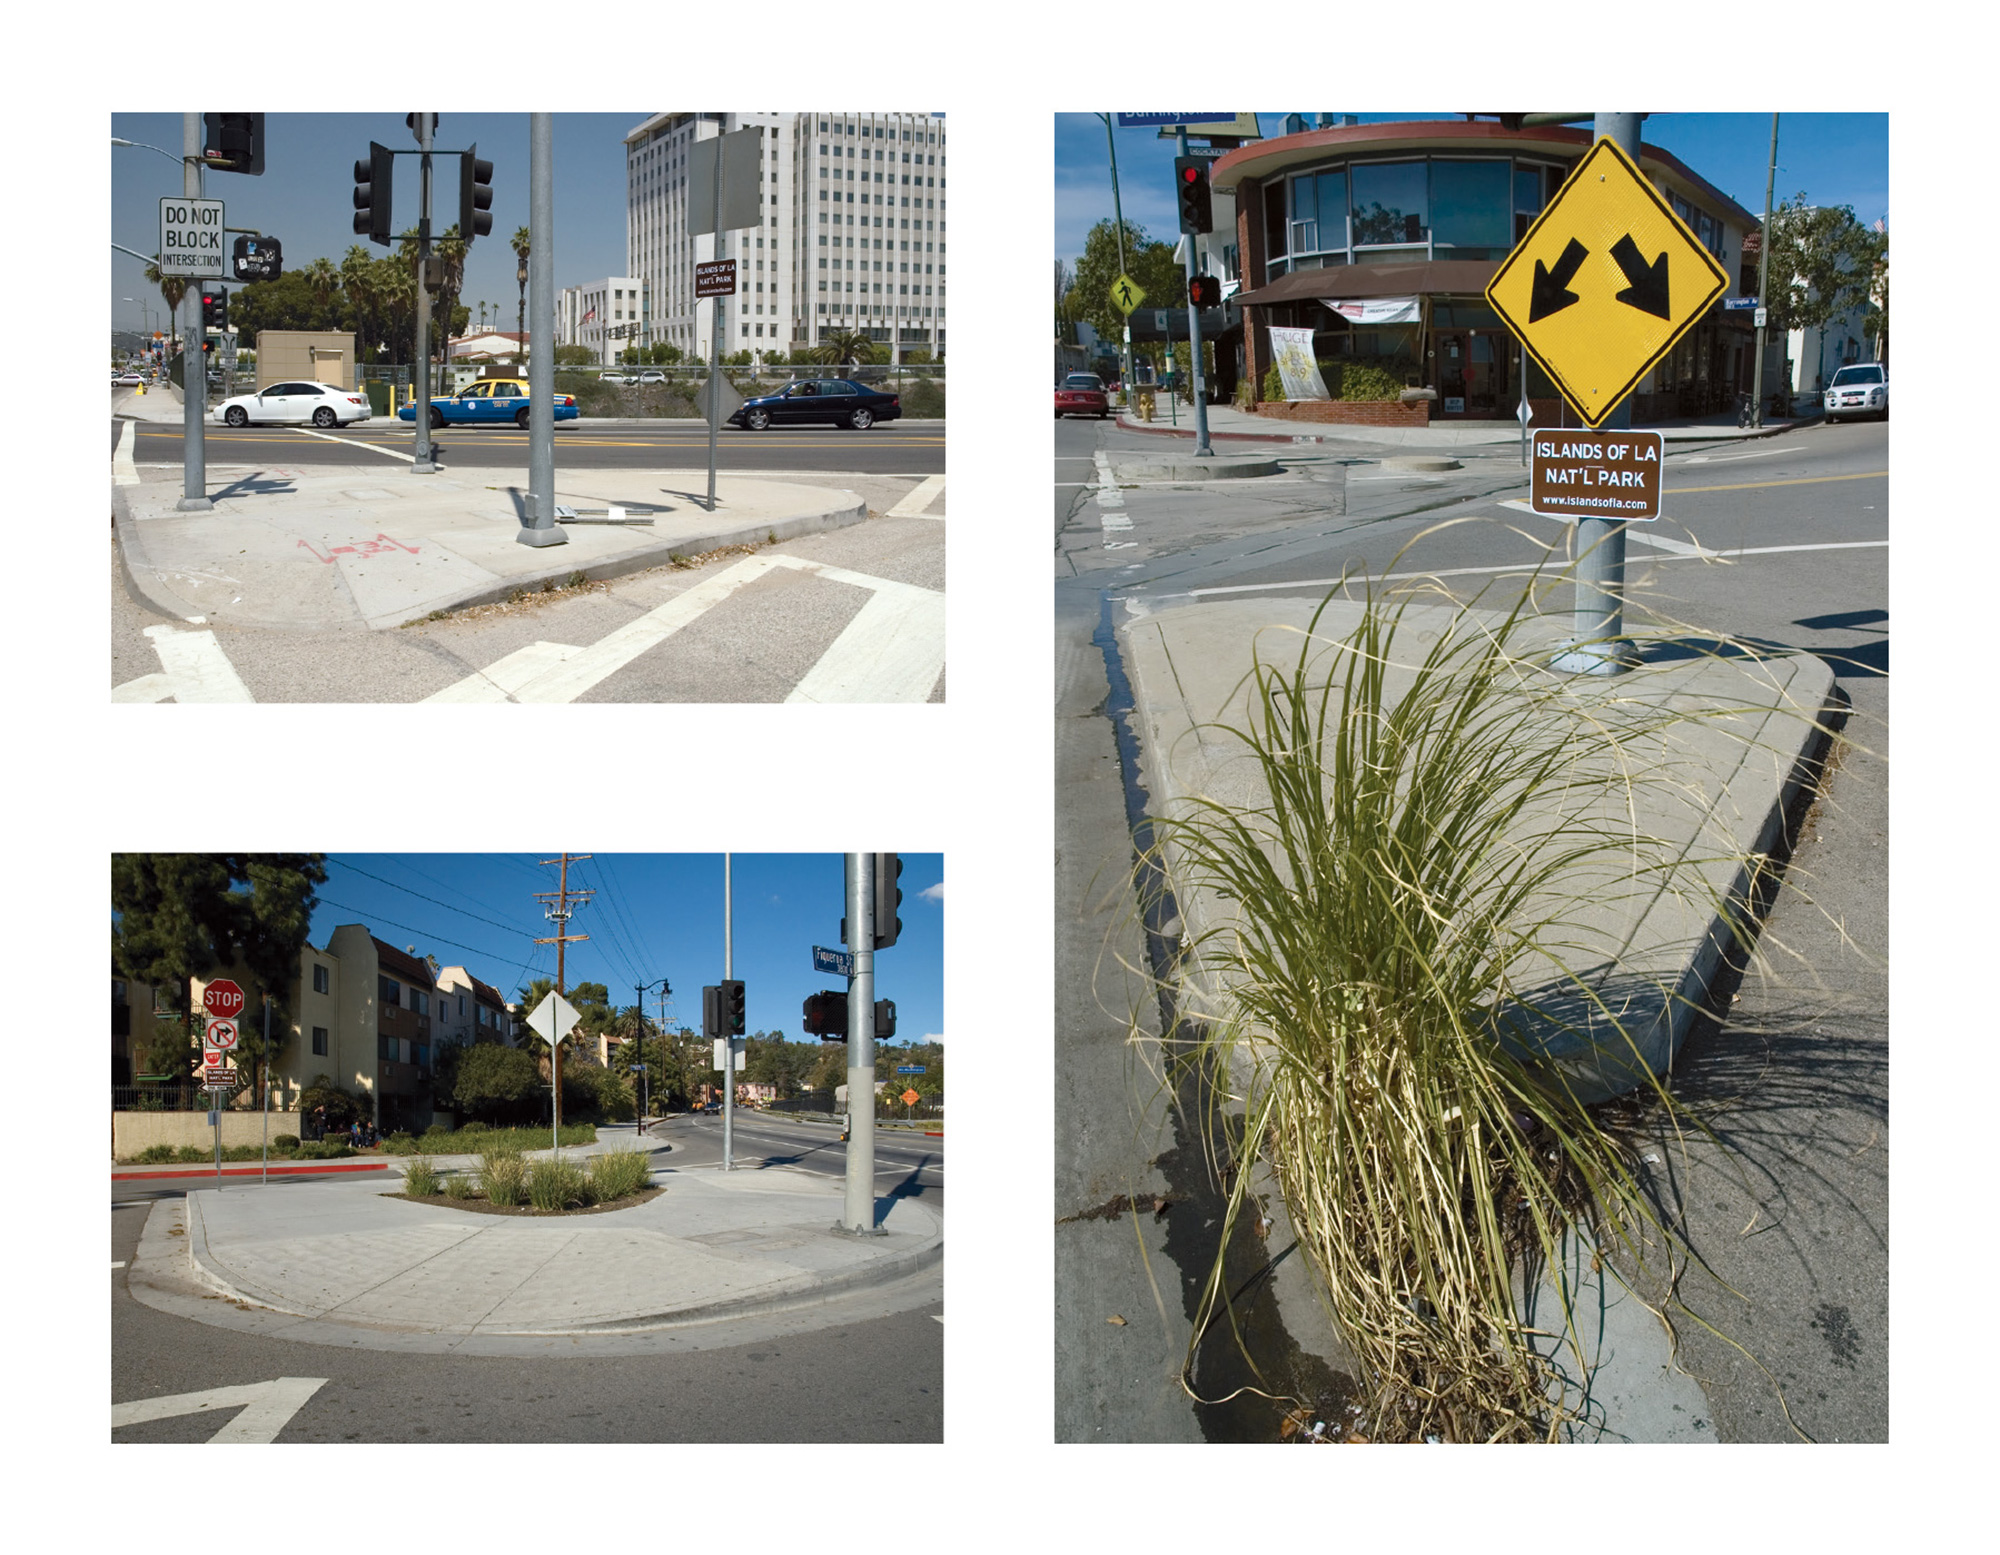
1605,282
1127,294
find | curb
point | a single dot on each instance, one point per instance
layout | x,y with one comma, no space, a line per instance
1727,434
240,1170
800,1291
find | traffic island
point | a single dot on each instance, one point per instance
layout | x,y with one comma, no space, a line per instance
1186,467
313,550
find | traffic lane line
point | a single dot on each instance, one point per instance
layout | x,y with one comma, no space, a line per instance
1802,480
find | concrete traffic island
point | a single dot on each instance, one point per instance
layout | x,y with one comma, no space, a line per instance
313,549
1186,467
342,1260
1716,784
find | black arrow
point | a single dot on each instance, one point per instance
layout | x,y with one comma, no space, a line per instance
1552,293
1647,288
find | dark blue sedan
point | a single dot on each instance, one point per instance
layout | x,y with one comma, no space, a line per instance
840,401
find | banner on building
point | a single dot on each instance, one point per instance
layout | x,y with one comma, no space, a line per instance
1377,310
1292,351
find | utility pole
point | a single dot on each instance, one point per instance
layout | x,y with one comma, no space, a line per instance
1763,277
858,1212
1118,216
541,527
559,915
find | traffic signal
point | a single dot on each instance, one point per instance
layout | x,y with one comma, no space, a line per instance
885,1018
475,195
1191,185
1205,291
888,897
826,1015
732,1009
214,308
233,142
711,1012
258,259
372,184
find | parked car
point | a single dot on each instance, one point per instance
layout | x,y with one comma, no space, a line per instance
840,401
126,379
613,377
652,375
489,401
1082,394
323,404
1860,390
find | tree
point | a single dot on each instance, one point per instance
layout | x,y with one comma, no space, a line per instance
498,1084
172,289
843,346
1150,264
520,244
575,356
179,916
291,301
1823,264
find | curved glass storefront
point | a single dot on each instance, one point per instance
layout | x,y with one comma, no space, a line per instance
1399,208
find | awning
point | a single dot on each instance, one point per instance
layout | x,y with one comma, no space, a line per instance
1404,279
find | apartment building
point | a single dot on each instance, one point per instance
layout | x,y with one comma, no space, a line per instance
852,238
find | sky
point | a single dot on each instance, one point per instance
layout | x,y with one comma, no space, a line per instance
654,915
1834,158
305,195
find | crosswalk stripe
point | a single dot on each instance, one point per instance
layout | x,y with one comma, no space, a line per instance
919,498
504,678
266,1407
194,669
123,471
892,651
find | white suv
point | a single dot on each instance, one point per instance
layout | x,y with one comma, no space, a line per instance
1861,390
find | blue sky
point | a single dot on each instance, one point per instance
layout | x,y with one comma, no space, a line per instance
1835,158
305,196
654,915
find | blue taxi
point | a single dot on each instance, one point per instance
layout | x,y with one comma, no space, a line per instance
490,401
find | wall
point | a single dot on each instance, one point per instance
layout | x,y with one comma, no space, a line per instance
288,354
132,1132
1367,413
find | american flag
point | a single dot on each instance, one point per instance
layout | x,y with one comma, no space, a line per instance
590,315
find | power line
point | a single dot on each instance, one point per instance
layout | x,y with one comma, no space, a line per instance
425,934
511,928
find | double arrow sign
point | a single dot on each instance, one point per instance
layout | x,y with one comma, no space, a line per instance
1646,284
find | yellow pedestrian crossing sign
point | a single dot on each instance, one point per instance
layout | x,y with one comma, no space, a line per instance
1605,282
1127,294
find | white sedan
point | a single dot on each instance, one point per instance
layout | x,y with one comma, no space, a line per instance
322,404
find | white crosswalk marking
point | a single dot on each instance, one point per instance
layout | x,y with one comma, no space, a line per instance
195,669
266,1407
920,497
123,471
892,651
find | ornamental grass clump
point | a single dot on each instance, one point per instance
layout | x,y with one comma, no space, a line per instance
557,1184
616,1173
1372,937
503,1176
420,1177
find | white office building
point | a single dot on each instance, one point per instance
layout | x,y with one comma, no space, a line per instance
607,315
853,236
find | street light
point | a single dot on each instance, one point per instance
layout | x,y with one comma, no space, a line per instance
143,146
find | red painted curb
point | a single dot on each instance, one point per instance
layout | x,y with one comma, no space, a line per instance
285,1168
1235,437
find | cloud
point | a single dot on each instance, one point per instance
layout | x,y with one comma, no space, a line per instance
929,1036
933,893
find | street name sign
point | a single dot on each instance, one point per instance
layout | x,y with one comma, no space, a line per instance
219,1034
222,999
1141,121
838,962
1605,282
909,1069
1613,476
1127,294
191,237
715,278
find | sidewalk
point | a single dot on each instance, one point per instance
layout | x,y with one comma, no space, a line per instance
1226,422
341,1256
334,548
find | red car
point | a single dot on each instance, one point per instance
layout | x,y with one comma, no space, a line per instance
1082,394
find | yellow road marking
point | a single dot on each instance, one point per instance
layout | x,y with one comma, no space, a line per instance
1803,480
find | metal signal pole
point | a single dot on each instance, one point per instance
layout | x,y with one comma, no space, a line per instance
194,366
425,463
728,962
858,1212
1201,446
1763,275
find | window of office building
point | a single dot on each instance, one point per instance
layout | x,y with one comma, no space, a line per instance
1391,203
319,1042
1471,208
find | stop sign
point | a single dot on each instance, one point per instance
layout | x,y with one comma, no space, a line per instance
223,999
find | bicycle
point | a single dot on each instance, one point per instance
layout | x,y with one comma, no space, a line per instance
1746,410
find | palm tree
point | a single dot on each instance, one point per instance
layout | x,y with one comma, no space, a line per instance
324,280
843,346
519,243
172,289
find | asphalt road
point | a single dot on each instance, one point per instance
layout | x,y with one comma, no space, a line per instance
893,448
867,1367
1779,541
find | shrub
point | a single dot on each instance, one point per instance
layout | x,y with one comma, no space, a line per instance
503,1176
615,1173
399,1143
420,1178
496,1083
557,1184
923,397
154,1155
285,1142
459,1186
322,1150
191,1153
341,1108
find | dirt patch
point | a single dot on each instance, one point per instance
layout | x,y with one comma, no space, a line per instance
483,1207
